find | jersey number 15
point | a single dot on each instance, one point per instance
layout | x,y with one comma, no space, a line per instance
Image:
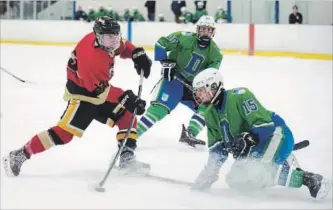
249,106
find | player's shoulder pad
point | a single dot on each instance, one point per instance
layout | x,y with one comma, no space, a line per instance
240,91
174,37
187,33
216,47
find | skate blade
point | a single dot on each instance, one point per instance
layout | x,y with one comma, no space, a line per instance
325,188
6,165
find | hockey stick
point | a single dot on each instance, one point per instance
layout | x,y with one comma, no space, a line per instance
301,144
168,180
291,160
180,80
185,84
100,187
156,84
16,77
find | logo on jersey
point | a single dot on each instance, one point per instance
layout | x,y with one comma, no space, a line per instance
165,97
238,91
186,33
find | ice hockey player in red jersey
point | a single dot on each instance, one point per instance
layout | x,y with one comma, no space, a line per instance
91,97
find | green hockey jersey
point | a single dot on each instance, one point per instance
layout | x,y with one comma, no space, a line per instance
239,112
190,58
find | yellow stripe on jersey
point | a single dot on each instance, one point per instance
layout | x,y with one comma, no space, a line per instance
64,123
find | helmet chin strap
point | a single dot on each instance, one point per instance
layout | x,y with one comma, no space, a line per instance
204,41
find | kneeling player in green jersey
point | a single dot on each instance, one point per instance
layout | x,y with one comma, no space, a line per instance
258,139
189,54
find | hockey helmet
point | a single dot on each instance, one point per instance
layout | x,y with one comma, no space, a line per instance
205,30
108,34
207,86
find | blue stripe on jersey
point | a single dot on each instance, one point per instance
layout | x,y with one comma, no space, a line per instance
160,53
146,122
221,109
264,133
199,119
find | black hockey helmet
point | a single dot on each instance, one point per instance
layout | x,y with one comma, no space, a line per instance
108,34
106,25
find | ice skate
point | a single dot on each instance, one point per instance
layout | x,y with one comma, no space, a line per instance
187,137
318,186
14,161
129,164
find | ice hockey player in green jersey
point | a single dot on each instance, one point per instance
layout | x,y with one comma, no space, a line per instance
259,140
101,11
188,16
92,15
189,54
201,11
114,14
137,16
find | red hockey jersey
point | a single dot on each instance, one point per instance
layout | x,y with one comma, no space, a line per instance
90,68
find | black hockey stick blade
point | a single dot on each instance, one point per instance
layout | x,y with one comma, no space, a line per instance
16,77
168,180
301,144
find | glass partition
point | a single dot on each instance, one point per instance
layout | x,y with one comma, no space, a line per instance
316,12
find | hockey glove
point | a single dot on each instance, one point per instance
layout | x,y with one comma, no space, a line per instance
130,101
243,144
141,61
168,69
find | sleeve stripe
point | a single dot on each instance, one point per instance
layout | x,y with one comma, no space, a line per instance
160,45
264,125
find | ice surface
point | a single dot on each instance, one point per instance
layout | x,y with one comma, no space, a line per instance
299,90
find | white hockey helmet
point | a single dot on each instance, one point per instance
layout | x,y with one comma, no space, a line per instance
207,86
200,4
205,29
183,9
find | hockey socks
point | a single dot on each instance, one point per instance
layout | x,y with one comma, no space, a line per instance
47,139
154,113
290,177
197,123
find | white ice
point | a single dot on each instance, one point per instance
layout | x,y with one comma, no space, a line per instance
299,90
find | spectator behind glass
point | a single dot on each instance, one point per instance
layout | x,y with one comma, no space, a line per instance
175,7
196,4
11,12
3,7
151,10
295,17
199,12
137,16
80,14
188,17
102,11
91,14
127,15
220,15
161,18
114,14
